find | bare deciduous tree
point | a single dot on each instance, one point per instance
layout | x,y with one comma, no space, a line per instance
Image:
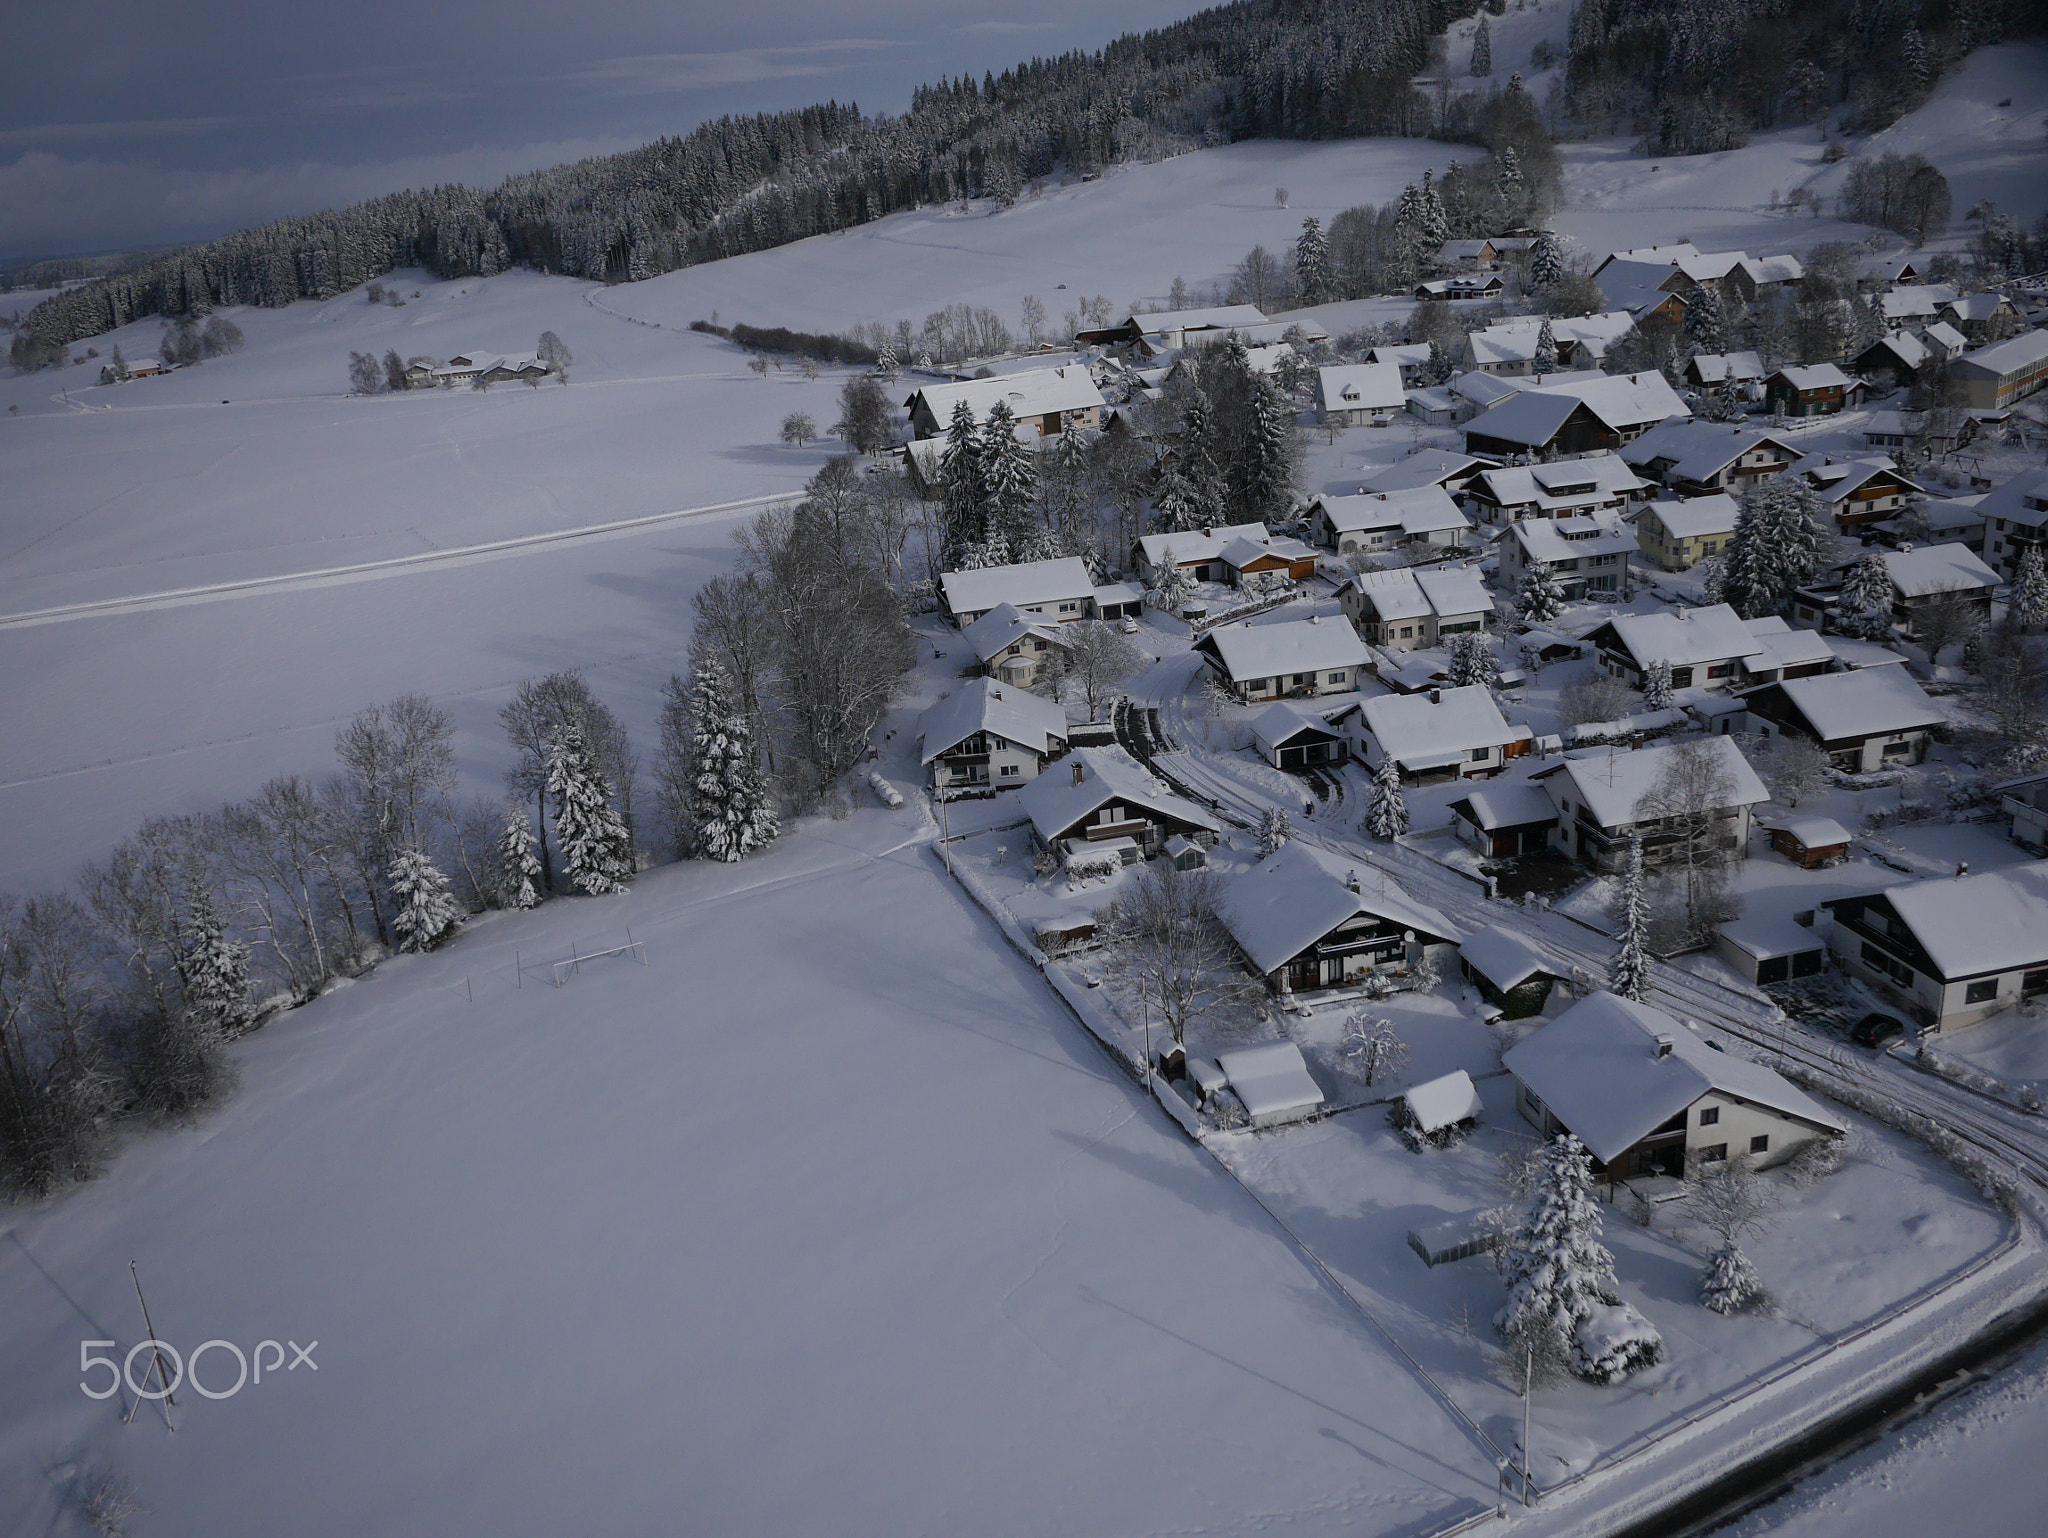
1167,952
1098,658
1685,817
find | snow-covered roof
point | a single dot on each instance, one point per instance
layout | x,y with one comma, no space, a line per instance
2008,357
1562,484
1413,509
1055,801
1858,655
1933,568
2022,500
1360,387
1695,517
1720,367
1914,299
1444,1102
1635,285
1273,1081
1945,336
1698,451
1622,401
1404,593
1119,592
1251,650
1425,467
1299,893
1244,550
1034,392
1190,547
1685,637
1903,345
989,705
1784,646
1004,625
1027,583
1977,306
1812,831
1571,539
1515,804
1813,376
1400,354
1662,256
1611,784
1503,959
1418,732
1281,723
1782,268
1765,938
1710,266
1455,590
1221,315
1605,1071
1863,703
1483,389
1992,922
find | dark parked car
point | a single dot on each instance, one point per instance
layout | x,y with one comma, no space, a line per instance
1875,1030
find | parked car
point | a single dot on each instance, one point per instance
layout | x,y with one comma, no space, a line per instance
1875,1030
1128,625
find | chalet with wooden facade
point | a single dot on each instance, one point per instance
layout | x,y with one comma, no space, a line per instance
1595,417
1703,647
989,735
1814,390
1047,400
1276,555
1949,952
1285,659
1864,490
1198,552
1097,795
1696,459
1306,919
1503,822
1715,370
1865,720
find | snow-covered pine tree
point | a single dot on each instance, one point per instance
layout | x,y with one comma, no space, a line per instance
1268,469
733,814
1007,473
1435,226
1778,543
886,363
1509,185
1196,456
1386,809
1868,594
1171,585
1705,328
2027,604
960,471
519,868
427,911
1546,262
1657,685
1472,661
1541,598
1274,830
1175,504
213,968
1315,281
1731,1283
1482,50
1439,366
1630,977
1544,359
1556,1269
596,850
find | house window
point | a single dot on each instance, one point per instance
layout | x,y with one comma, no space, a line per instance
1333,678
1897,971
1010,771
1714,1153
1710,1115
1068,608
1721,670
1761,1143
1981,992
1681,678
1480,755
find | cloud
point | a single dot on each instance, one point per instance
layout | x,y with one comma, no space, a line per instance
1005,28
654,73
131,128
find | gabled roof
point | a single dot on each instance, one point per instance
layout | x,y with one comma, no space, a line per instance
1299,893
1719,367
1360,387
1910,351
1987,923
1843,706
1637,287
1186,547
1505,960
1815,376
1004,625
1029,582
1444,1102
1783,268
1055,802
1272,1082
1685,637
1405,593
1413,509
1945,336
1661,256
1483,389
1251,650
1697,517
1244,550
1785,647
1571,539
1932,568
1401,354
1699,450
1622,401
1277,725
989,705
1528,417
1223,315
1425,467
1835,479
1420,733
1563,484
1597,1067
1514,804
1030,393
1455,590
1977,306
1908,300
2022,500
1611,784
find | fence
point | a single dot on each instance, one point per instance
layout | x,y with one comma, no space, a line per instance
561,971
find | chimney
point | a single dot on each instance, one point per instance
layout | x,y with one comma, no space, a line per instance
1962,868
1663,1046
1351,880
1079,771
1436,696
995,694
1315,619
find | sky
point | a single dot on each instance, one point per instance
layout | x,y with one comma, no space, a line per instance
125,123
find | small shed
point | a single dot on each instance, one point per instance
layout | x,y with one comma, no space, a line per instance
1502,821
1273,1082
1292,739
1454,1239
1508,971
1771,950
1811,842
1441,1107
1119,600
1185,853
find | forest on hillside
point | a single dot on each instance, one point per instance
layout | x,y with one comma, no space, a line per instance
1688,75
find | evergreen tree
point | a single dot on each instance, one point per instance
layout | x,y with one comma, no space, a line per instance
1777,545
1007,474
1657,685
597,851
1439,366
213,968
427,911
1705,327
1472,661
1197,457
1509,185
960,471
1175,503
1868,594
1171,586
733,814
1544,360
1386,809
1731,1283
1315,281
1556,1269
1631,974
1482,50
1434,224
1541,598
1274,830
2027,603
519,868
1546,262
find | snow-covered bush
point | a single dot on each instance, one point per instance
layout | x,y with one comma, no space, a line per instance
1612,1341
1814,1160
1731,1283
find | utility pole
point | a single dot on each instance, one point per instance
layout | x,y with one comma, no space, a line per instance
1528,1394
156,1356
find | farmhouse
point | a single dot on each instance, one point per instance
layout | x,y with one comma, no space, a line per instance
1173,327
1712,370
1647,1097
1013,646
1451,734
1697,458
1994,377
1857,491
1680,534
1374,521
1588,556
1567,488
1905,304
1296,659
1198,552
1642,287
1291,738
1949,952
1099,794
990,735
1704,646
1304,920
1355,394
1921,576
1595,417
1865,720
1047,399
1408,610
1598,800
1058,590
1817,390
2014,517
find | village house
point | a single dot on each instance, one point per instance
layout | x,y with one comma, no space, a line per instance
1588,556
1921,575
1286,659
1680,534
1411,358
989,735
1409,610
1939,432
2025,800
1818,390
1981,317
1698,458
2015,515
1265,336
1046,399
1913,303
1171,328
1994,377
1511,974
1198,552
1788,652
1900,355
1865,721
1943,521
1857,491
1566,488
1428,467
132,368
1376,521
1059,590
1462,285
1276,555
1943,341
1304,919
1703,647
1712,370
1882,272
520,368
1014,646
1488,253
1642,288
1595,417
1599,802
1102,795
1293,738
1649,1098
1949,951
1473,391
1358,394
1445,734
